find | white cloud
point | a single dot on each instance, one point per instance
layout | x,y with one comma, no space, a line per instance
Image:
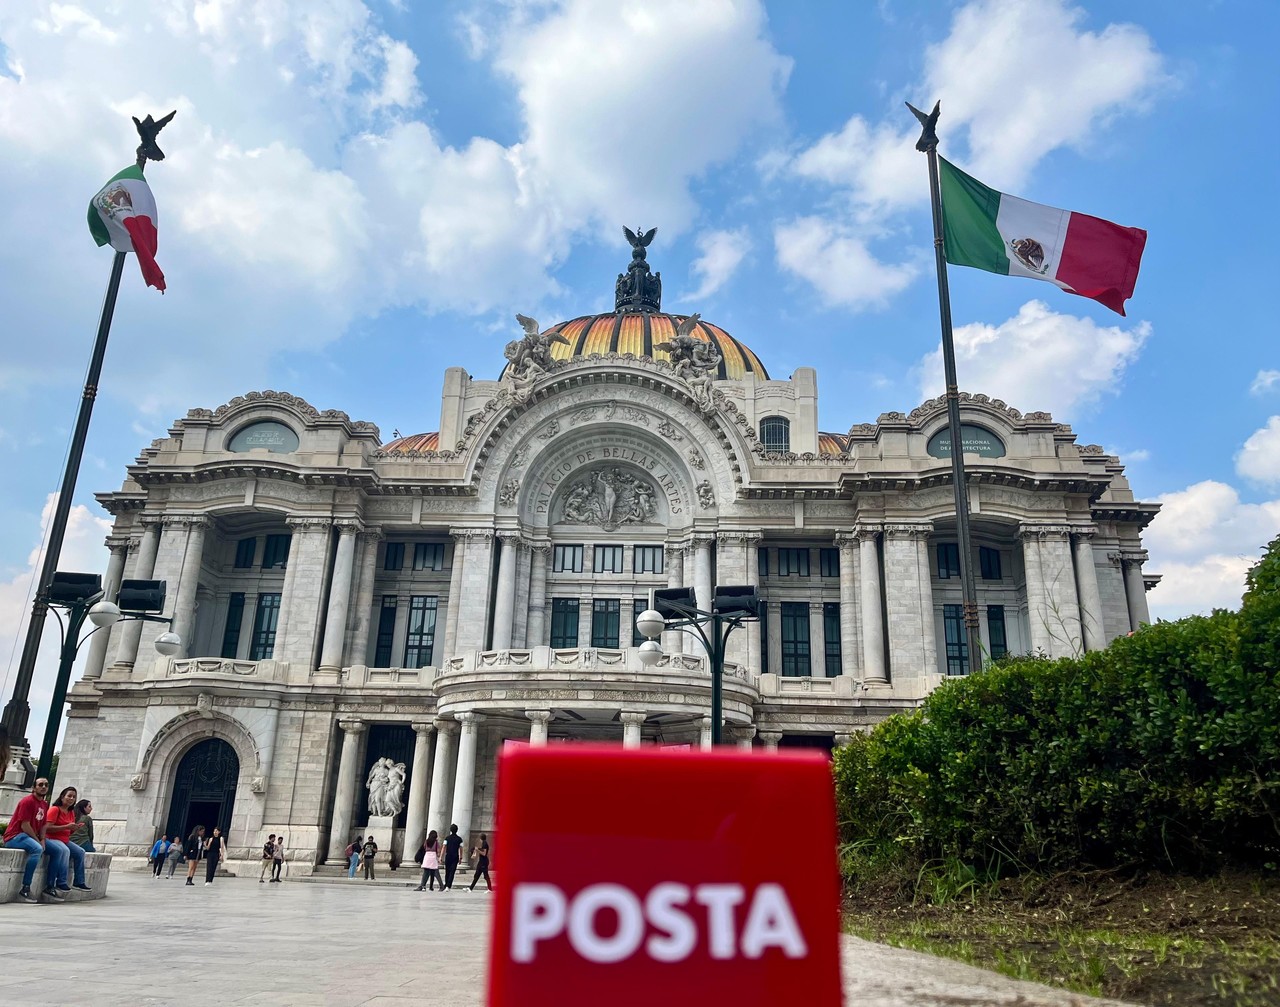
836,261
1259,459
1264,381
82,551
1202,543
719,255
1039,360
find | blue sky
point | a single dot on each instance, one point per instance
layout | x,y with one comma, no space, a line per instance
359,195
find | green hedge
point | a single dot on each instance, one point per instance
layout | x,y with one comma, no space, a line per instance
1161,751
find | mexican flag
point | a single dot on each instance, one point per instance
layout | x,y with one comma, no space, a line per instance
123,214
1000,233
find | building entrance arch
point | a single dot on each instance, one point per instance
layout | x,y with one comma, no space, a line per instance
204,789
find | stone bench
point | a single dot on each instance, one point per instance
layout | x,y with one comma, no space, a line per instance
97,868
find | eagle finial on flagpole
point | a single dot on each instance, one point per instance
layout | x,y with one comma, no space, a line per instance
928,127
148,129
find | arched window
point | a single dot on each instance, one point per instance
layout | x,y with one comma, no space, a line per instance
775,433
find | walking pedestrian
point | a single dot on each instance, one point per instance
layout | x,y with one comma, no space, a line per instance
277,860
82,834
367,852
353,856
214,850
159,850
431,863
195,850
268,854
452,853
58,823
480,852
174,855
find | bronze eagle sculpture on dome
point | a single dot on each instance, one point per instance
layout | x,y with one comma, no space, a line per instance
639,241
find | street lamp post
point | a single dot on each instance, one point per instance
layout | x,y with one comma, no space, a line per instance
677,608
81,596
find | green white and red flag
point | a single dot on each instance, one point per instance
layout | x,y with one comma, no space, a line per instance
123,214
1000,233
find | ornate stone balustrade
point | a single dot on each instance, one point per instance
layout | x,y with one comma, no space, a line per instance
271,671
842,685
421,678
586,658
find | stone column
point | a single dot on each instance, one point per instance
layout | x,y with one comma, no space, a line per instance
538,729
184,605
755,656
817,642
1037,607
364,603
344,799
335,620
673,639
474,592
536,635
300,612
742,735
441,775
455,591
419,786
702,546
773,613
632,725
873,663
1057,573
1135,589
110,585
770,739
505,602
464,786
143,569
927,614
848,546
843,739
704,734
1095,637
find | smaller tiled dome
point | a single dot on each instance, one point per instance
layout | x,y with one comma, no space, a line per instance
832,444
411,444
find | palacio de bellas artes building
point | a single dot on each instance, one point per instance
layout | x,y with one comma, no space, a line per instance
344,600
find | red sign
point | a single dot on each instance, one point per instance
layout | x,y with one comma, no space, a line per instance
664,877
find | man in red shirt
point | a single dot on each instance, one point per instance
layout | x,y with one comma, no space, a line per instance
25,832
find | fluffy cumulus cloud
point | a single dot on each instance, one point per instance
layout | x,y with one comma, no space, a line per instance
1259,459
993,107
1264,382
719,255
1040,360
836,261
82,551
1202,543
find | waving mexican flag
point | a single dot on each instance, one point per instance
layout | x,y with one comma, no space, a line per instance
992,230
123,214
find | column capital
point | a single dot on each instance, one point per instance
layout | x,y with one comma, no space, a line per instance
348,525
510,535
119,543
741,732
843,739
745,537
1138,556
847,541
1059,531
423,727
447,725
469,720
908,529
192,521
770,738
539,716
634,717
702,538
472,534
864,530
372,535
1084,531
675,550
352,726
304,524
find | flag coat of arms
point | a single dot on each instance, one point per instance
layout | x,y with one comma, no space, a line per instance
991,230
123,215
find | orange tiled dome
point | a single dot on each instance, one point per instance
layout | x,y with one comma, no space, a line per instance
414,442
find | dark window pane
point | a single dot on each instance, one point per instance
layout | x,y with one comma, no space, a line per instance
564,622
235,618
996,631
795,639
264,627
948,560
990,562
638,605
775,433
764,636
762,561
608,559
386,632
829,562
957,642
605,614
245,550
793,562
566,559
420,634
394,557
831,636
275,553
648,559
428,556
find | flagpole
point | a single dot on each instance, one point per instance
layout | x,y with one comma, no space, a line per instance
18,710
928,145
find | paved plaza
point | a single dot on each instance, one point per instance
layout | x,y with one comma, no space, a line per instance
347,944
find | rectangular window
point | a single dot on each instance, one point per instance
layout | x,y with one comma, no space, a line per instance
948,560
648,559
764,635
989,559
566,559
393,558
428,555
638,605
957,642
829,562
386,632
275,553
793,562
608,559
264,627
420,636
995,630
831,636
605,614
564,621
795,638
246,548
762,562
235,618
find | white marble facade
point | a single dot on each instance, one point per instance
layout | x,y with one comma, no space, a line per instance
331,587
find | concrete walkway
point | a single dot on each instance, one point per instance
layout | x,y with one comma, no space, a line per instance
347,944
